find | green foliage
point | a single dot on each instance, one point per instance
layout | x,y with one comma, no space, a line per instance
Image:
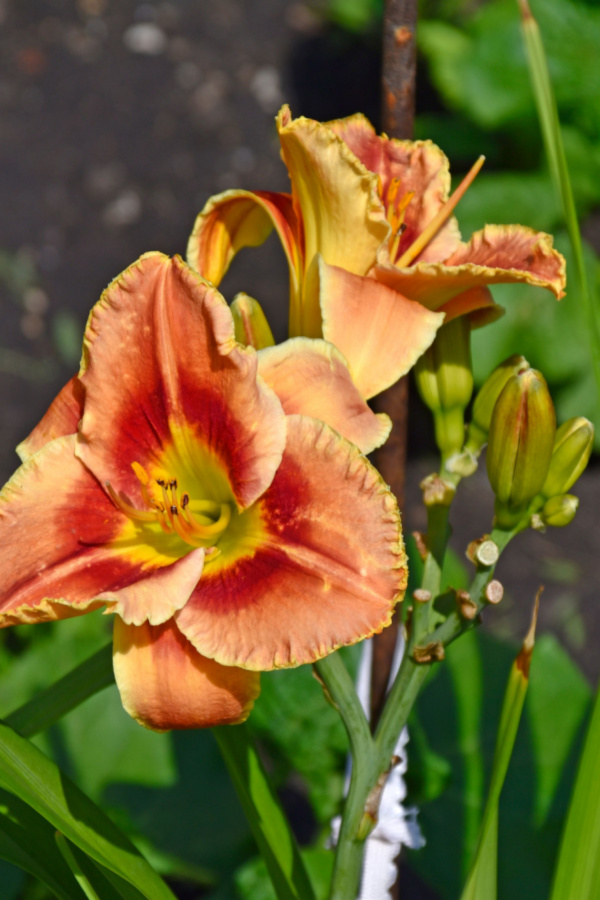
537,787
252,881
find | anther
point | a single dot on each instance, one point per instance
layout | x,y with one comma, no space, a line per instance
161,482
185,499
173,484
174,511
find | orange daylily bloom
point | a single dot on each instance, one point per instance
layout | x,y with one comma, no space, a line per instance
167,484
375,255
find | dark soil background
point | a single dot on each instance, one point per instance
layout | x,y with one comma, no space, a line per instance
118,120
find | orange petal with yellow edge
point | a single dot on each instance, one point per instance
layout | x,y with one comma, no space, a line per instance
155,597
499,254
340,208
62,418
312,378
56,528
421,168
380,332
326,569
236,219
165,683
165,376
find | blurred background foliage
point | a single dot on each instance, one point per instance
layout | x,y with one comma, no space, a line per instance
171,792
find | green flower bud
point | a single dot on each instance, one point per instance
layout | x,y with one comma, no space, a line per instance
251,326
559,510
445,382
520,444
572,448
485,400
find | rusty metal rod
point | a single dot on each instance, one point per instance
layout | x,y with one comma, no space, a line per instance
398,106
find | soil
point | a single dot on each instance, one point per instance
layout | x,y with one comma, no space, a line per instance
117,121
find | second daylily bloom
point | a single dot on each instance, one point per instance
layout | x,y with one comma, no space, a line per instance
375,255
167,484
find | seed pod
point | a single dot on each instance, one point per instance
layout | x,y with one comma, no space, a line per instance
483,407
559,510
445,382
520,444
251,326
572,448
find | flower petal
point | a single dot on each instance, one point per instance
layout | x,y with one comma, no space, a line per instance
525,254
165,683
379,331
499,254
421,168
55,525
337,200
184,386
311,377
326,570
155,597
62,418
236,219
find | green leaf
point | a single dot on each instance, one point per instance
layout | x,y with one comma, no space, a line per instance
482,882
558,693
539,777
578,871
263,810
27,841
252,879
28,773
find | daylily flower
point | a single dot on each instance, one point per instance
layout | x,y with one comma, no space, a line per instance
374,252
167,484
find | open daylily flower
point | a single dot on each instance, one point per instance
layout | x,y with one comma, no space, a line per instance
167,483
375,255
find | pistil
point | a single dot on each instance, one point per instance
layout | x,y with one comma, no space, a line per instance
441,218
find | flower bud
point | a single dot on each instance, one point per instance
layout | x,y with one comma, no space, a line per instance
445,382
251,326
559,510
520,443
483,407
572,448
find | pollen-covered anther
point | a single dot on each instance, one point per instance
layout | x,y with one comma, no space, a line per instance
199,522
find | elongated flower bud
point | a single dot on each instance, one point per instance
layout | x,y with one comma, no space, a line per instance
559,510
483,407
572,448
520,444
251,326
445,382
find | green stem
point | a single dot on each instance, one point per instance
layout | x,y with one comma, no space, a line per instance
354,827
264,813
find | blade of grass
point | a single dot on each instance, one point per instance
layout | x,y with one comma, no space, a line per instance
550,126
482,883
265,815
577,873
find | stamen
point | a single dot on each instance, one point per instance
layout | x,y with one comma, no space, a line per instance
441,218
197,522
129,510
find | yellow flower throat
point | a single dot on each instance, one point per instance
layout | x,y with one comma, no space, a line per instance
199,523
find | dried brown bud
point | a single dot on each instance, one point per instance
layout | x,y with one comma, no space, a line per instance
437,491
433,652
466,607
421,544
422,596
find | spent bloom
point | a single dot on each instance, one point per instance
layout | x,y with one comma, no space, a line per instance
375,254
168,484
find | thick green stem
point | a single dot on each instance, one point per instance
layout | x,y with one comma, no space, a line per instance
354,828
